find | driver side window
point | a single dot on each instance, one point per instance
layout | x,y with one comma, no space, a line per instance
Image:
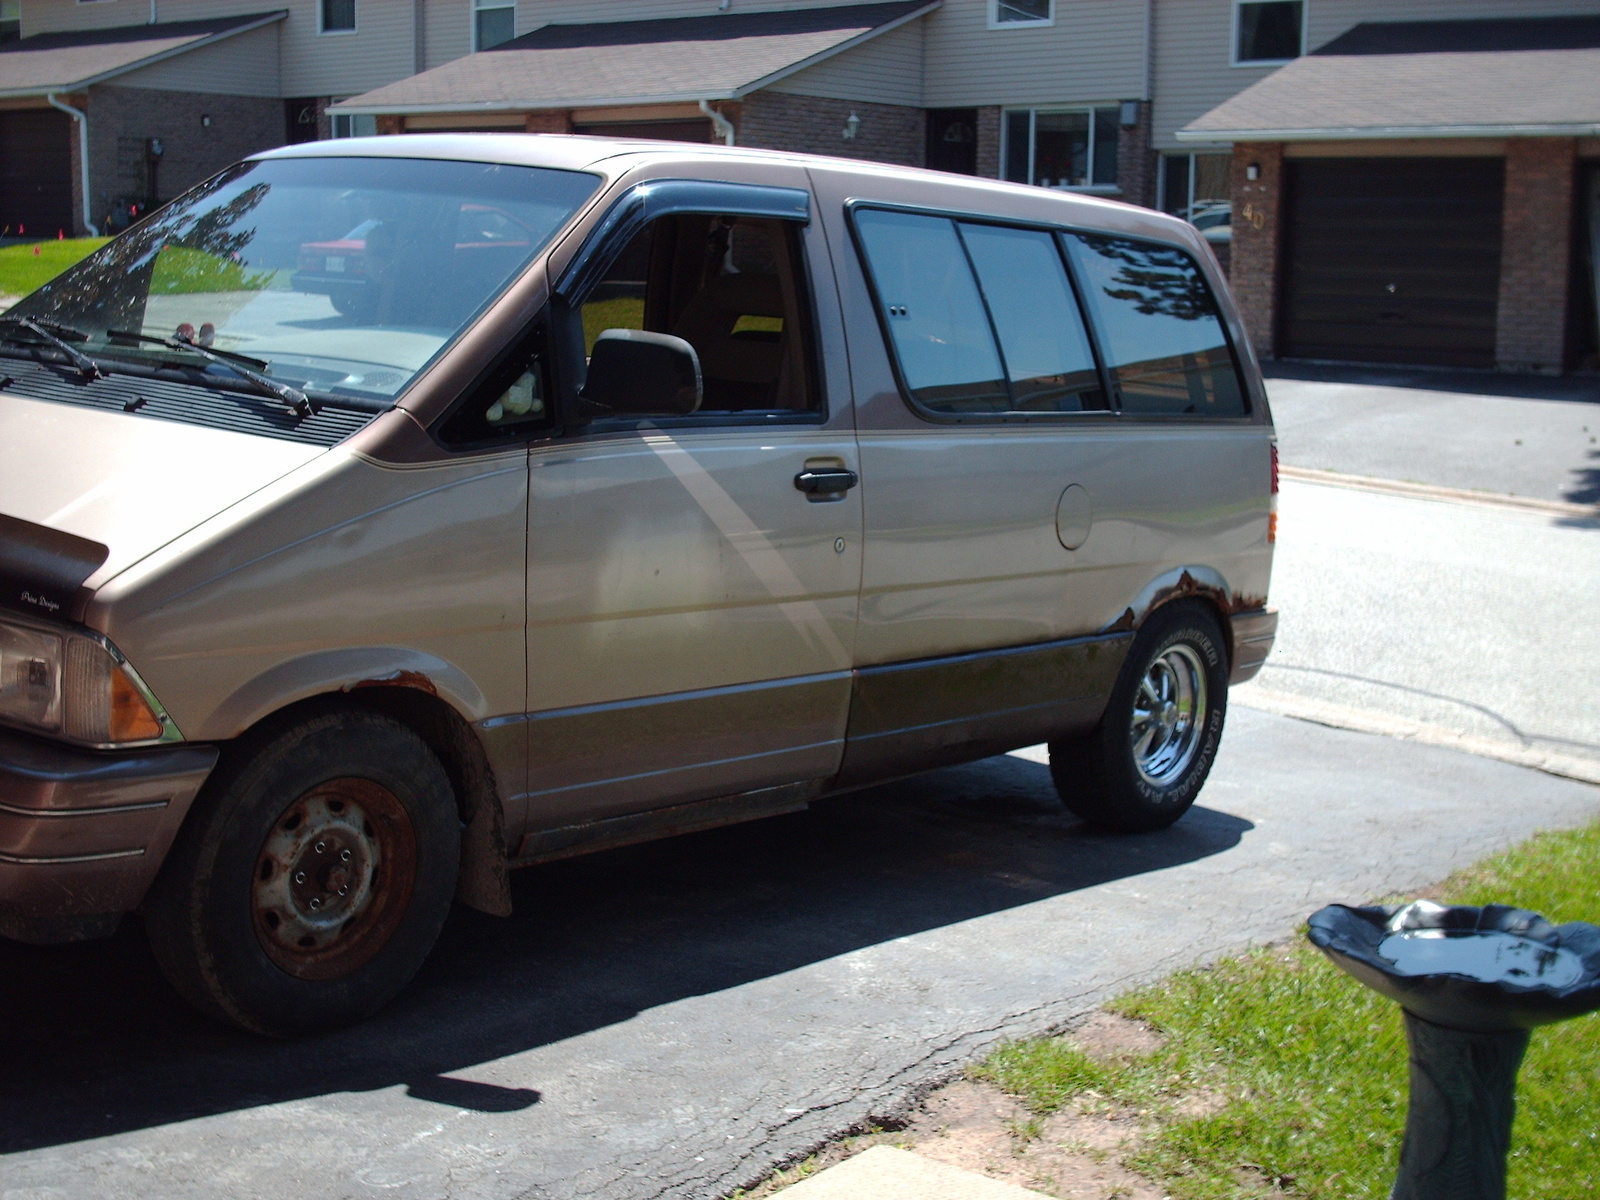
732,287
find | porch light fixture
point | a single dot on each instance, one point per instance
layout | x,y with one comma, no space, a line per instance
1128,116
1253,172
851,124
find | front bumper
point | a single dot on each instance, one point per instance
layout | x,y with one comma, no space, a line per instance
1253,635
83,833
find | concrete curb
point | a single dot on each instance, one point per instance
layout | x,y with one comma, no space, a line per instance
885,1173
1339,716
1428,491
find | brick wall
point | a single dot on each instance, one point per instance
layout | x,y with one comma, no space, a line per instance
1535,254
1136,161
890,133
122,119
989,141
1253,265
557,120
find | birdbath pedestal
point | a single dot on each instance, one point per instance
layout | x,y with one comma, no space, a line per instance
1472,983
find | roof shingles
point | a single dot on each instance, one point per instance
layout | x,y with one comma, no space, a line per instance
63,61
1384,87
636,62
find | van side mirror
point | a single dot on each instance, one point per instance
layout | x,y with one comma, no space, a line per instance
636,373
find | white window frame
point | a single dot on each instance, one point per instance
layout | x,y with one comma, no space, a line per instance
349,120
478,6
325,32
1161,176
1233,37
1038,23
1097,189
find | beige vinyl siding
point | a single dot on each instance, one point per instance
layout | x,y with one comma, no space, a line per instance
380,51
244,65
447,34
1192,50
53,16
1093,52
886,70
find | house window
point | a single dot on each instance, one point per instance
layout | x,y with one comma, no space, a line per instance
1270,32
1003,13
493,22
10,20
354,125
1199,188
1062,148
338,16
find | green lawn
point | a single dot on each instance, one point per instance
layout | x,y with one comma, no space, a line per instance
623,312
25,267
1295,1075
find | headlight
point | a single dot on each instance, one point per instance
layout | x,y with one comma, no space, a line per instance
75,685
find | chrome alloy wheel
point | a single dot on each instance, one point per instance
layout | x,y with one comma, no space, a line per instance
334,878
1169,713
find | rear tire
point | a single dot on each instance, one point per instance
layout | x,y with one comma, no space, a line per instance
312,877
1141,767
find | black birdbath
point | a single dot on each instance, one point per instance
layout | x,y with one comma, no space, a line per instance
1473,982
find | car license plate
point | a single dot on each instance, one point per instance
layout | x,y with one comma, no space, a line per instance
335,264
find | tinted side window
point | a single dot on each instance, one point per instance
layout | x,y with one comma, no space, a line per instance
1047,355
933,311
1159,329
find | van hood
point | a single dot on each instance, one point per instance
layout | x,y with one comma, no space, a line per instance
119,481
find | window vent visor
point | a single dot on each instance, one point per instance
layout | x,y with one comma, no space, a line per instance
663,197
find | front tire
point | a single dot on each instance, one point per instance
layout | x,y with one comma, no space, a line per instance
312,878
1141,767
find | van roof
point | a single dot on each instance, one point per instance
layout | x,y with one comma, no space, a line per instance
613,157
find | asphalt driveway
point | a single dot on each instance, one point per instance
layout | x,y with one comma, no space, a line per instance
672,1020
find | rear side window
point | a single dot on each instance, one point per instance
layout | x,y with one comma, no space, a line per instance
1048,361
933,311
983,318
1159,329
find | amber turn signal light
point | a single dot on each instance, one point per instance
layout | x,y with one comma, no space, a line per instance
132,719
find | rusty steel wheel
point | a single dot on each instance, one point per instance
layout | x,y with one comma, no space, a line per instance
335,878
312,876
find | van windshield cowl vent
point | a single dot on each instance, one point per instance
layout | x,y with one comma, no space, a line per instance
169,400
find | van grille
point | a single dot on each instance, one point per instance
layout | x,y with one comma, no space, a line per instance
186,403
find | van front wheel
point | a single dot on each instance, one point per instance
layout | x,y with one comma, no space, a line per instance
312,878
1141,767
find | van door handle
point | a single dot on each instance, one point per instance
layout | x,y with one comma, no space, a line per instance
826,485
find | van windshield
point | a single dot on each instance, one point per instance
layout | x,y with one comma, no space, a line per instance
342,275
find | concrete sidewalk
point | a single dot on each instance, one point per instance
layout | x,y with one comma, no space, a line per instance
885,1173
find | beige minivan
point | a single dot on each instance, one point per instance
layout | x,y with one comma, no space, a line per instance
383,514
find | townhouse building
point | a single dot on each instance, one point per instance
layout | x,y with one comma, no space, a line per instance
105,104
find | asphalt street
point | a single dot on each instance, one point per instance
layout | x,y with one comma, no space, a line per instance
1461,617
1468,624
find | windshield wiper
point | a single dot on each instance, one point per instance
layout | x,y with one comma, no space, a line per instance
52,333
242,365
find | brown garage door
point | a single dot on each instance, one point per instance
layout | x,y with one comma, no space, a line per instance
1393,259
35,172
692,130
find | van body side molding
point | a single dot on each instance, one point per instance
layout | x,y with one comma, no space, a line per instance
911,716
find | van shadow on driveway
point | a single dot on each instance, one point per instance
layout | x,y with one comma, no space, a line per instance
94,1043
